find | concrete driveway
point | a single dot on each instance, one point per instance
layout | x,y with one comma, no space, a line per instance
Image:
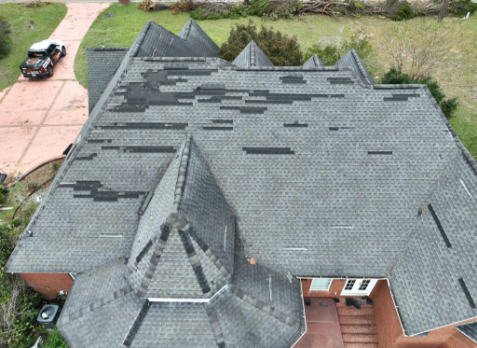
40,118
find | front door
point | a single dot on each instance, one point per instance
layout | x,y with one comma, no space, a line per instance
358,287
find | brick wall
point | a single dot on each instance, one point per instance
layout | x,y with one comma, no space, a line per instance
336,286
48,284
389,330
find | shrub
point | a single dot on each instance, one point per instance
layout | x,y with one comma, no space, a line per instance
3,193
217,11
5,40
284,10
259,8
280,49
395,77
330,53
403,12
55,340
462,7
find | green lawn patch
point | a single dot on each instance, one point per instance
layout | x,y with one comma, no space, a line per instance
28,25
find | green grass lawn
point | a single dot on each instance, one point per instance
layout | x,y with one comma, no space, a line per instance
28,25
122,29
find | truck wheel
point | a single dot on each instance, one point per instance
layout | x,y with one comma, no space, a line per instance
63,51
49,68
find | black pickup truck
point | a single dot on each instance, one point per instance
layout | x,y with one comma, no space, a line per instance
42,56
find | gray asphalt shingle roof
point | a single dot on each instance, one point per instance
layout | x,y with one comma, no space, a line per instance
470,330
189,239
324,170
314,61
259,308
352,60
102,64
252,55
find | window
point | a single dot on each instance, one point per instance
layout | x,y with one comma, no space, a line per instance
320,284
364,284
350,284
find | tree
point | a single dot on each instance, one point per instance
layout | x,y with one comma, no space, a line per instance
448,106
421,48
280,49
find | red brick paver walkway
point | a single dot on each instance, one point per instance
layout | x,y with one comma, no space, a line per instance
40,118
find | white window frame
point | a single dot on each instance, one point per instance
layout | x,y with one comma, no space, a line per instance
329,285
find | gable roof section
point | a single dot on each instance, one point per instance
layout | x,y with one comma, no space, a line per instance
259,308
434,281
314,61
352,60
102,64
182,240
156,41
201,44
252,55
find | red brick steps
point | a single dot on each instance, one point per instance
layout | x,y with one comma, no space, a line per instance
358,326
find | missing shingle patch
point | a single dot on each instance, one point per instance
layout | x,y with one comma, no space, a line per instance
340,81
86,158
268,150
99,141
295,124
150,149
333,128
467,293
412,95
223,121
380,152
293,79
395,99
439,226
191,72
218,128
245,110
145,125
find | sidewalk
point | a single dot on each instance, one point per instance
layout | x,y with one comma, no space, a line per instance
40,118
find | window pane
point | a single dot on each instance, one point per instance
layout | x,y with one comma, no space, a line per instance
350,284
320,284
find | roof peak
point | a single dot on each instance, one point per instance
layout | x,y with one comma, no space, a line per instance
172,255
351,59
252,55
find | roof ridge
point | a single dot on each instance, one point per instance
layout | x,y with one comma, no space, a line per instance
181,177
364,72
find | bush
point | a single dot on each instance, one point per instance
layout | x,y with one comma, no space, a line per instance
55,340
395,77
462,7
279,48
284,10
259,8
330,53
216,11
5,41
404,11
3,193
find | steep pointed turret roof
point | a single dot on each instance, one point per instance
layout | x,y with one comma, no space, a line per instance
259,308
252,55
156,41
352,60
313,61
185,241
